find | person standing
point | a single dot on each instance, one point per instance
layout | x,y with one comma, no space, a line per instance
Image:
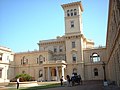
68,80
18,81
61,80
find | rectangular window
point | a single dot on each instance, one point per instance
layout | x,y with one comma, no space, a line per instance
0,73
55,49
1,57
72,24
75,12
95,73
74,58
73,44
60,49
8,58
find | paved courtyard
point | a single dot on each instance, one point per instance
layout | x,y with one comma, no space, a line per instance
88,85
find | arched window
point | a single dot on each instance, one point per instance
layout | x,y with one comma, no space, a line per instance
95,72
75,12
95,57
71,11
41,59
24,60
68,13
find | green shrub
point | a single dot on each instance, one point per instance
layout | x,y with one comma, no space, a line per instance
24,77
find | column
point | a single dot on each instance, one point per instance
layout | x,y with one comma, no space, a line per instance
63,72
48,73
43,74
57,74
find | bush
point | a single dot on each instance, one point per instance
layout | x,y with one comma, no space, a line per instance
24,77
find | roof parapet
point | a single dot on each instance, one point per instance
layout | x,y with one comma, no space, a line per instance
72,4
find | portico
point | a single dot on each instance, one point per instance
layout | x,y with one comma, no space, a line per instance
54,70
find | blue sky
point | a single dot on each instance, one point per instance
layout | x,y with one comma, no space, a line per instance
23,23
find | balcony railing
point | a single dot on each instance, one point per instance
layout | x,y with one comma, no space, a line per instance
54,62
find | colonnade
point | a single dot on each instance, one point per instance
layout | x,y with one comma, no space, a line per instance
59,71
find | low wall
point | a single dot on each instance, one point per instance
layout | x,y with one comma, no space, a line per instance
24,84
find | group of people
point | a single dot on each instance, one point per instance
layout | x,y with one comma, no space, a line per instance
72,80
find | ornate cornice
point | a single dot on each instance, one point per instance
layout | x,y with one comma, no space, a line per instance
73,4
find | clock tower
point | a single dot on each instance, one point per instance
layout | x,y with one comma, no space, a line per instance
73,17
73,38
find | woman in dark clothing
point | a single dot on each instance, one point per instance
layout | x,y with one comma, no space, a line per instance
68,80
61,80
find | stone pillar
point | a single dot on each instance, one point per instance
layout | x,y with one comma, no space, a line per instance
43,74
63,74
48,73
57,74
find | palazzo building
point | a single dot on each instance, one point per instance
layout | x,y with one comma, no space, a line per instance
6,57
113,42
69,54
73,53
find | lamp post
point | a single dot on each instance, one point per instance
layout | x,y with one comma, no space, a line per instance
91,59
103,64
105,81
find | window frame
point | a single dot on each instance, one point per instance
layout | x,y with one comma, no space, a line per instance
68,13
75,12
1,56
73,44
0,72
72,24
24,61
60,49
71,12
74,57
40,59
96,72
55,49
95,58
